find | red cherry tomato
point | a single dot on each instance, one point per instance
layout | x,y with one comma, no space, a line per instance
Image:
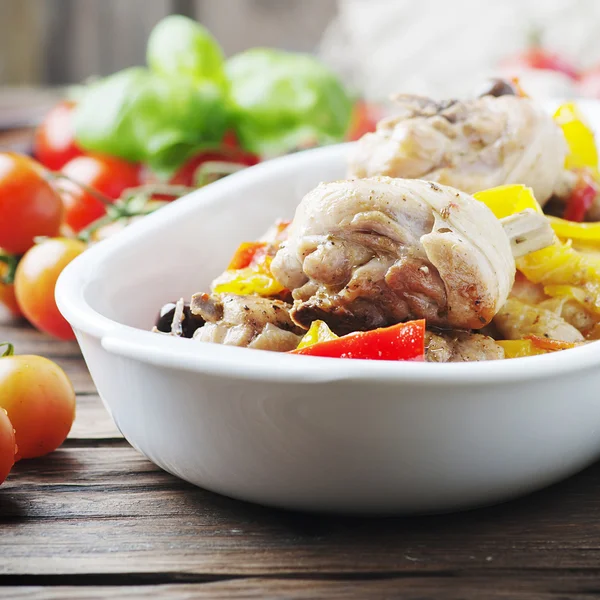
40,402
108,175
29,206
537,57
7,445
35,281
589,83
54,142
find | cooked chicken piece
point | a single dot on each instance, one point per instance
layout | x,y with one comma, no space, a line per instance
471,145
460,346
574,314
248,321
516,320
570,310
526,291
368,253
276,234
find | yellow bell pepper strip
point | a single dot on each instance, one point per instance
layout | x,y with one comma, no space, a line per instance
579,136
252,280
586,234
520,348
404,341
543,343
582,157
562,270
249,272
582,197
567,292
319,332
565,272
506,200
532,345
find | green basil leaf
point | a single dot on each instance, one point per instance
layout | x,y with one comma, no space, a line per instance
283,100
179,46
140,116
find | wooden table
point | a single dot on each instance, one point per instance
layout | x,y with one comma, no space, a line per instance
96,519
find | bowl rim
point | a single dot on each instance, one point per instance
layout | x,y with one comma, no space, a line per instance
259,365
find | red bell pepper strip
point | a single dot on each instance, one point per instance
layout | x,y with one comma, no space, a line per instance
581,198
404,341
248,253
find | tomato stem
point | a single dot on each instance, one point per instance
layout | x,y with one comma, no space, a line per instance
152,189
105,200
11,260
121,210
10,349
212,170
137,201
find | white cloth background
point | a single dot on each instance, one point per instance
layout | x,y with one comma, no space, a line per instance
443,47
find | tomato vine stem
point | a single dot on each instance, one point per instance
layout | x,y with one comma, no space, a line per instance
10,349
11,260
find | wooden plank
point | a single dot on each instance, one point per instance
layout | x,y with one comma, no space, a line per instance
92,421
27,340
507,586
78,373
107,510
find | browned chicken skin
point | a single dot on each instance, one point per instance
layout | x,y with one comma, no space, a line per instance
472,145
368,253
248,321
460,346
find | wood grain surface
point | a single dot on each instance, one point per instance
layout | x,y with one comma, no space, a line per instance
95,519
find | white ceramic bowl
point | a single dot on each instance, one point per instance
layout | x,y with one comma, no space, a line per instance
303,432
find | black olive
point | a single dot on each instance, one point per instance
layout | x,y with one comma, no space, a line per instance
165,318
498,87
190,322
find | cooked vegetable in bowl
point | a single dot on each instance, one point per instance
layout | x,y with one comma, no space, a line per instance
444,275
